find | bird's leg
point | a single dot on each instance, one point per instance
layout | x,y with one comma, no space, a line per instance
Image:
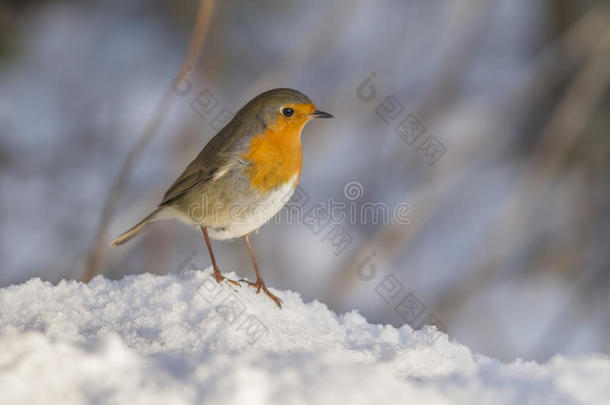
259,284
217,274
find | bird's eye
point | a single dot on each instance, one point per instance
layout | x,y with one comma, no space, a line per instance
288,112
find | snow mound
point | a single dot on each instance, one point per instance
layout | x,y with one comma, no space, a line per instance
184,339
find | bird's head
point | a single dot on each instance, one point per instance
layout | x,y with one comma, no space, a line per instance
283,108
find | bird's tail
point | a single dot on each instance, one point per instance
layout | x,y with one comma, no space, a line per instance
126,236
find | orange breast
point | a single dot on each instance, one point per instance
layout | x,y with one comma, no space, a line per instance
276,155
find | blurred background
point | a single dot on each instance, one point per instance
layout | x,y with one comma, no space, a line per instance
490,119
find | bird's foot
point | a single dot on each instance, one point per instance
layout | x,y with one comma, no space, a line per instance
260,285
220,278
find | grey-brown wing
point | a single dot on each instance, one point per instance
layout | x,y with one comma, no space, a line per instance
201,170
186,182
215,156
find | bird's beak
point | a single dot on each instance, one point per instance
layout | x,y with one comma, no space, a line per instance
321,114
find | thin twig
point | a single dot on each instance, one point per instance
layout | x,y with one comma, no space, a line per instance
202,23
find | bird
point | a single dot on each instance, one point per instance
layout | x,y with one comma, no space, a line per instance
242,177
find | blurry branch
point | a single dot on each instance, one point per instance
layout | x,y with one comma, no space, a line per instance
586,293
574,112
388,240
558,138
475,20
96,251
570,120
577,44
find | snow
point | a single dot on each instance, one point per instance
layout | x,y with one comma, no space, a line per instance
183,339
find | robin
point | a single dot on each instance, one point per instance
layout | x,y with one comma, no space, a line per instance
242,177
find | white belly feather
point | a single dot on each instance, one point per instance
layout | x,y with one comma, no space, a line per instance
257,216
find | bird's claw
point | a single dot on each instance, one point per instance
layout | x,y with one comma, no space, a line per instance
259,284
220,278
